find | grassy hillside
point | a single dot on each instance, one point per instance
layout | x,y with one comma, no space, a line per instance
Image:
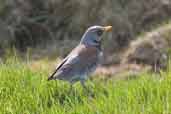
24,91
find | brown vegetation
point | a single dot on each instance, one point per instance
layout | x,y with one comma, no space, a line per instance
150,49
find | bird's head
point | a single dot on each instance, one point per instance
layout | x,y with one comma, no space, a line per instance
93,35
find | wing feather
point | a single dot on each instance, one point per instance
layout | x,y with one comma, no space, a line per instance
58,67
76,63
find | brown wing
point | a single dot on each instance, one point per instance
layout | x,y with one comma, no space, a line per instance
77,62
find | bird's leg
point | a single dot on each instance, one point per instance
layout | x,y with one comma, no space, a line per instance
71,87
90,93
83,84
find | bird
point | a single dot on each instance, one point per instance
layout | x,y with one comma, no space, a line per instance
83,59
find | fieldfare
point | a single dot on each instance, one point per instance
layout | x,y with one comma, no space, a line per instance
82,60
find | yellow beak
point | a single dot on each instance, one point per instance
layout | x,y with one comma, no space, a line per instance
108,28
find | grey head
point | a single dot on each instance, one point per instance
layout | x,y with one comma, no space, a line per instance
92,36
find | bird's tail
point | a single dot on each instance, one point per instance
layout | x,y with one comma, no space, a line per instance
51,77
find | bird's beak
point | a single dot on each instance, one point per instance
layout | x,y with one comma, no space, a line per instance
108,28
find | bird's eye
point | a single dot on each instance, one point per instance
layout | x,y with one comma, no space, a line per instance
99,32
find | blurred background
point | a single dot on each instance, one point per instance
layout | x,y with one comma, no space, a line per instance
51,28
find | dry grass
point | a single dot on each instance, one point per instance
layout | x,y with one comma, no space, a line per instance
151,48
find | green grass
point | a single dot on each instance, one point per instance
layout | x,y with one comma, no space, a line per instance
24,91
